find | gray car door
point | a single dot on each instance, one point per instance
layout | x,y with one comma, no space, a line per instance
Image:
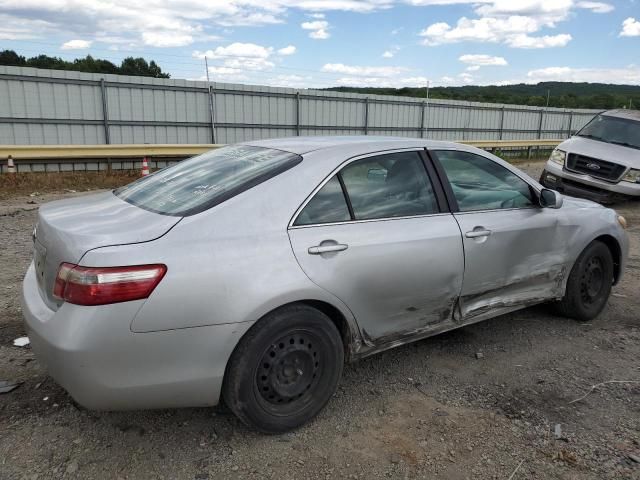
374,235
515,254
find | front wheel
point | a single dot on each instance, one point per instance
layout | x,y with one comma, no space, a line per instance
589,284
285,369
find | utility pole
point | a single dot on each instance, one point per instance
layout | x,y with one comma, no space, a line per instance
206,66
548,93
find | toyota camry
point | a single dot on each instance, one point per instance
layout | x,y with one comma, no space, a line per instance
252,273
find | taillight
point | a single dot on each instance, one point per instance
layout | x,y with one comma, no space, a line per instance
103,285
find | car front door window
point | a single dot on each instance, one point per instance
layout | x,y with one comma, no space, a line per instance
479,183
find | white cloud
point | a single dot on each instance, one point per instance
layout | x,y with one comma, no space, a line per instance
628,75
483,60
318,29
237,49
387,54
473,68
463,78
596,7
382,82
288,50
76,45
546,41
630,28
166,39
321,34
17,28
513,31
466,77
164,23
237,59
363,71
516,23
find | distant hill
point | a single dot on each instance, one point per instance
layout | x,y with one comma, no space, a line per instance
561,94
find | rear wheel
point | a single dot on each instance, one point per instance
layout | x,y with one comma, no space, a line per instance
589,284
285,369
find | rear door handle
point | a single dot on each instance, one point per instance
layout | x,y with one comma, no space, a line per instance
336,247
477,233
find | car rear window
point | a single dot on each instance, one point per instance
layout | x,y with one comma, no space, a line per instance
201,182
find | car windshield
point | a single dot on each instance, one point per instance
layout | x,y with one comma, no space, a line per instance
206,180
620,131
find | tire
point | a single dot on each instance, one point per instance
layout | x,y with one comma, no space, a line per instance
589,284
542,178
284,370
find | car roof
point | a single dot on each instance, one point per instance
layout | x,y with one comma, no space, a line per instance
623,113
364,143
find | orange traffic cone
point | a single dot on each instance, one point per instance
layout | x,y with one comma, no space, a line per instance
145,167
11,168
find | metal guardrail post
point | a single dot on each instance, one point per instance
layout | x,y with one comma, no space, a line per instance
105,111
422,111
366,116
539,131
540,123
501,123
212,114
298,114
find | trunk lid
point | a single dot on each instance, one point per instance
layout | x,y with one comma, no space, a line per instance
67,229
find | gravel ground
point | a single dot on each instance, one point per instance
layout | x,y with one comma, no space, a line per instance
432,409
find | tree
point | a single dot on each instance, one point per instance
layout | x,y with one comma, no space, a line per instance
9,57
139,66
129,66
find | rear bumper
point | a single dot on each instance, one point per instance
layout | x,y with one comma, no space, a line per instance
94,355
578,185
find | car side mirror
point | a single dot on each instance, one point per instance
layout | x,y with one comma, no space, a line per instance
550,199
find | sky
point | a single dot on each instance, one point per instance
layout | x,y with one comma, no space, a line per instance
322,43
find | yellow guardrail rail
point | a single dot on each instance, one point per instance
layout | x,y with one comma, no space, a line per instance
80,152
37,152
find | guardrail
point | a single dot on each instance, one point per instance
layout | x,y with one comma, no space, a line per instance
123,157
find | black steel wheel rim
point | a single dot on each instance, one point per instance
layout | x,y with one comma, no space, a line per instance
592,282
289,370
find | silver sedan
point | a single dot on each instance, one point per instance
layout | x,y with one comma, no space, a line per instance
251,273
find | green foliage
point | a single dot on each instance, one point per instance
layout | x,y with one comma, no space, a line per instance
561,94
129,66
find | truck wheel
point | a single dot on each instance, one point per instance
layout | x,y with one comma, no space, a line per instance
589,284
285,369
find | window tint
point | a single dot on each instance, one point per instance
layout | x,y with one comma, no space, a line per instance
206,180
328,205
481,184
392,185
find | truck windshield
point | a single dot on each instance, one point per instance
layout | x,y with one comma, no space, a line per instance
620,131
201,182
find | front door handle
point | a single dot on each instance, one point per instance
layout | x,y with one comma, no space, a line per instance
478,232
334,247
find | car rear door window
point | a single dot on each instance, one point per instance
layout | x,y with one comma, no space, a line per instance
390,185
328,205
479,183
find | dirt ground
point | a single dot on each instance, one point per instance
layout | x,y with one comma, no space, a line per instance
433,409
